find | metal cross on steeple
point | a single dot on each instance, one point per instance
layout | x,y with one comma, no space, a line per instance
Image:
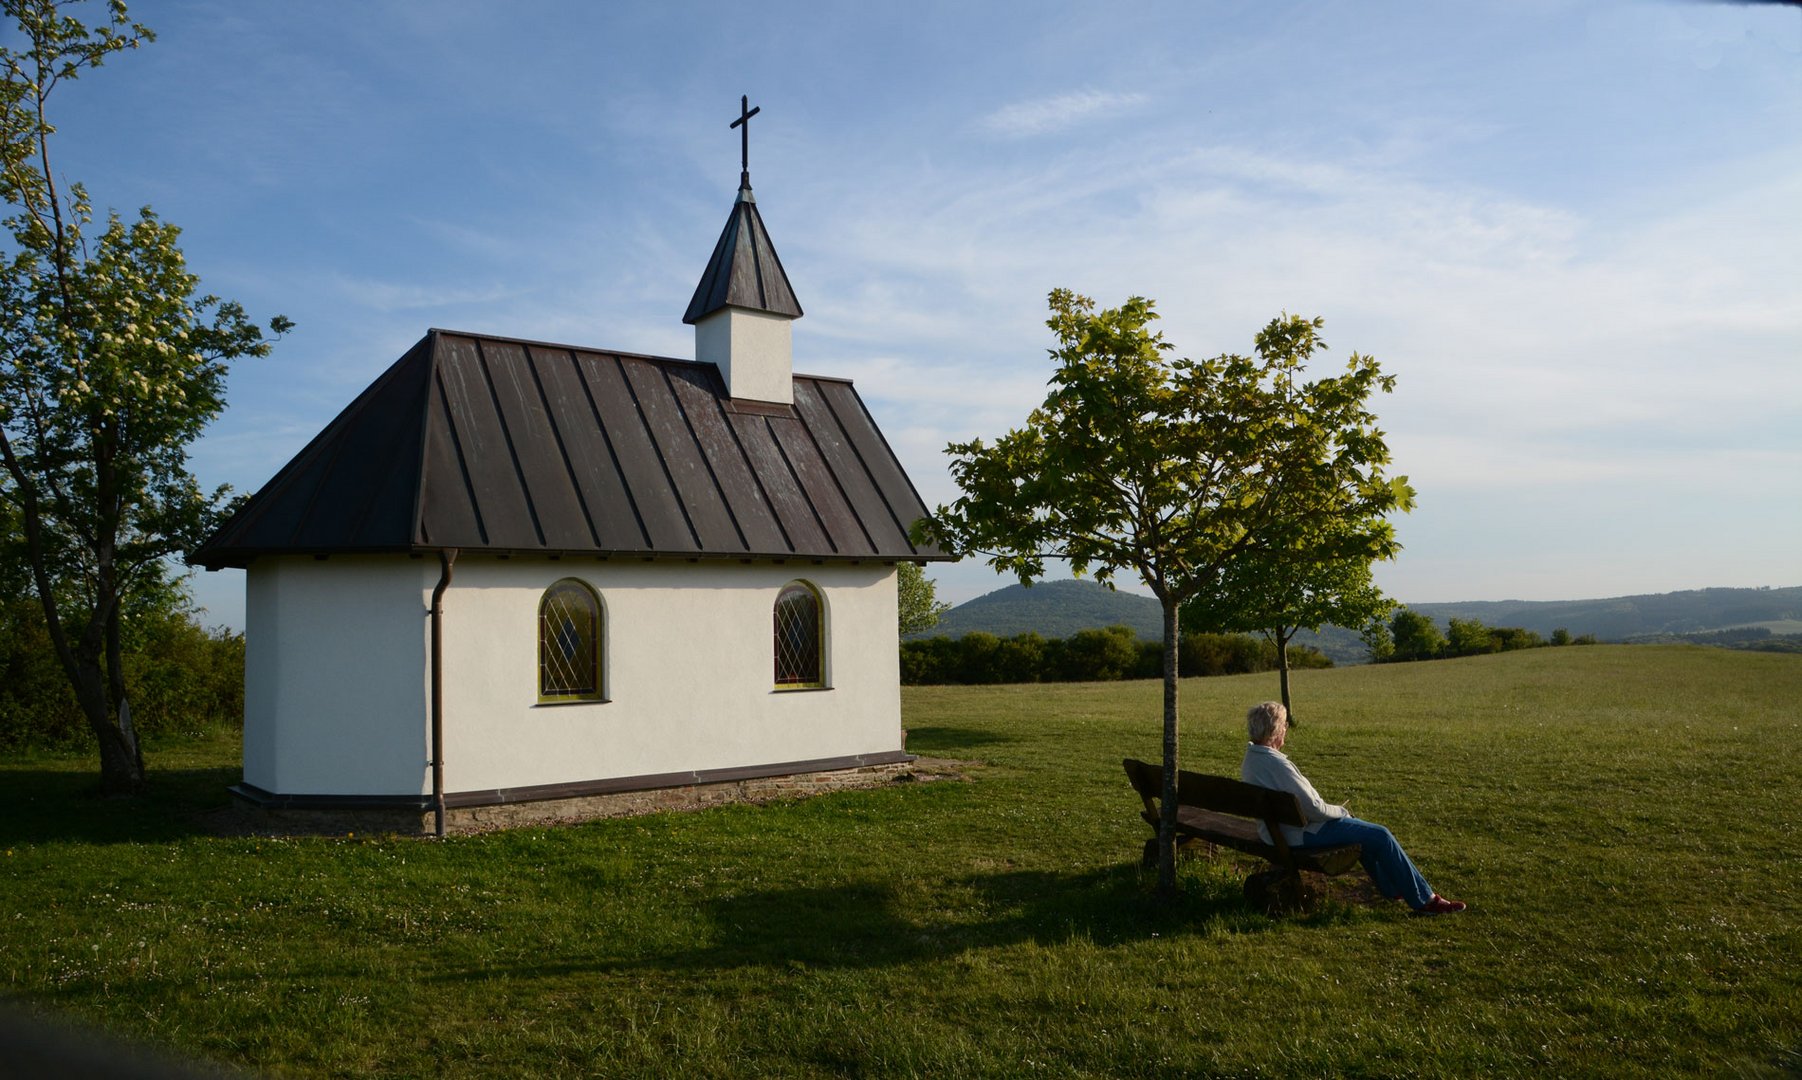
745,112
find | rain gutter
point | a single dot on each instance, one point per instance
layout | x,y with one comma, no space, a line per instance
447,557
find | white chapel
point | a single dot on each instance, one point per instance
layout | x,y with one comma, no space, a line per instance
513,572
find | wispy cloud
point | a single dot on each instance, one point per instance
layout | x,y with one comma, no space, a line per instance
392,296
1024,118
1548,352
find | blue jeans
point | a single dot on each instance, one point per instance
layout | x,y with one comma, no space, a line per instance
1383,858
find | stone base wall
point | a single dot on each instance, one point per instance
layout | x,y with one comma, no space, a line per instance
475,819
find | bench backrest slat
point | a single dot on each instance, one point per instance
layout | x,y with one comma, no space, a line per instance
1147,780
1218,793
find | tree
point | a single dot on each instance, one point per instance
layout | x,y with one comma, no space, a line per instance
1469,637
1378,642
1169,469
1098,654
110,367
1281,592
1414,636
1510,638
918,599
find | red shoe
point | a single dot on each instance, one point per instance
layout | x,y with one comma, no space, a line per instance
1439,905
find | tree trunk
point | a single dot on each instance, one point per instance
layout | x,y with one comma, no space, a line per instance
100,660
1282,666
1167,825
118,707
121,765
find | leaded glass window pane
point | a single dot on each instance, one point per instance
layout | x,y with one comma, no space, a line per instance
798,640
569,638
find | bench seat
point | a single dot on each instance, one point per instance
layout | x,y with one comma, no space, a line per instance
1222,811
1241,834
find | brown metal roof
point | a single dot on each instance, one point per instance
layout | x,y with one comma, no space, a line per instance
744,271
486,443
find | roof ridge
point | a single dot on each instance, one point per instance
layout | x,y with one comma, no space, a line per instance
623,354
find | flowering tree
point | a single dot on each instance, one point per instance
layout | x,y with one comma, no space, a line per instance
1170,470
110,366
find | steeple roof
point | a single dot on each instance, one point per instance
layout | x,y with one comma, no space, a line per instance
744,271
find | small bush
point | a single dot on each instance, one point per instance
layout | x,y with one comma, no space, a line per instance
179,677
1022,658
1100,655
1305,656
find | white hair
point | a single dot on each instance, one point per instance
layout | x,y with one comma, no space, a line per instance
1264,719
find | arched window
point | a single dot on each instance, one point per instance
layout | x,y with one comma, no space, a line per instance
569,643
800,642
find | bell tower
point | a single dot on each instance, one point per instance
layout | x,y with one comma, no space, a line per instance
743,307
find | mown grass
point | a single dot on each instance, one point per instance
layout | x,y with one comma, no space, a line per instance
1623,821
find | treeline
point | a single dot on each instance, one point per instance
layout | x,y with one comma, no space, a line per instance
1115,653
1410,635
179,677
1750,638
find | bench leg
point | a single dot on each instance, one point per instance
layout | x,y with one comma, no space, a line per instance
1278,891
1186,847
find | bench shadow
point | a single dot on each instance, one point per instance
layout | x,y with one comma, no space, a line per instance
39,806
865,925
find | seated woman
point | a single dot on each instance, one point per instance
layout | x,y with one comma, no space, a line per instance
1383,858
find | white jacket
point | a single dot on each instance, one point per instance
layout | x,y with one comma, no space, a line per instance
1269,768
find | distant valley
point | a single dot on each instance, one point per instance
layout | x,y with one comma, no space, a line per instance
1058,609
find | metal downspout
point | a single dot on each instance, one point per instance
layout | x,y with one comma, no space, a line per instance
447,558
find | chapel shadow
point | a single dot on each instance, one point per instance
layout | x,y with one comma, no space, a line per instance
39,806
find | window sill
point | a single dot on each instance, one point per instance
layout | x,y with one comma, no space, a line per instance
573,701
799,689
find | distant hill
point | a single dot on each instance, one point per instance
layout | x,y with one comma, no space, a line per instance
1058,609
1623,617
1055,609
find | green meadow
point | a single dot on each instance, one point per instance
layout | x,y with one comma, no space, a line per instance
1625,822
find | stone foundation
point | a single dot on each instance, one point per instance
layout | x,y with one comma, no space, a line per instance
412,821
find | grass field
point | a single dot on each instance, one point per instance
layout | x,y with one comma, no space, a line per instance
1623,820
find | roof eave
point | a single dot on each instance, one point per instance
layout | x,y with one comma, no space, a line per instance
240,559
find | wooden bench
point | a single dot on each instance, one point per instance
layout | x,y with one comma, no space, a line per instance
1217,810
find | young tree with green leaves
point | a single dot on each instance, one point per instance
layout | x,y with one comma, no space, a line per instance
917,597
110,366
1282,592
1169,469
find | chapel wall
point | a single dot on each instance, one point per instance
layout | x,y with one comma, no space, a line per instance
335,675
687,671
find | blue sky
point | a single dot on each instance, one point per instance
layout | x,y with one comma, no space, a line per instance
1568,228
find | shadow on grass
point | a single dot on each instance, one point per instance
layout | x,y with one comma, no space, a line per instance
922,740
862,925
40,806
